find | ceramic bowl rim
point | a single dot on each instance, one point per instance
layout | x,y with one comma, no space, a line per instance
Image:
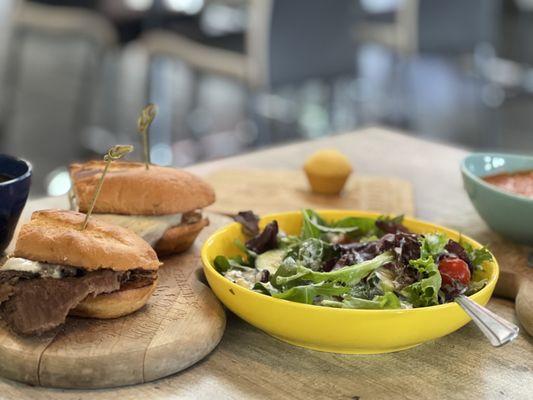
19,178
489,287
477,179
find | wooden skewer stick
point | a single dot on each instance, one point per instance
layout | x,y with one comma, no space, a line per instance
114,153
146,118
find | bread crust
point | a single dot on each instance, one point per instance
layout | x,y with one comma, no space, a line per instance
129,188
179,238
55,236
115,304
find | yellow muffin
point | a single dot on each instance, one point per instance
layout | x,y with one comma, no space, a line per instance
327,171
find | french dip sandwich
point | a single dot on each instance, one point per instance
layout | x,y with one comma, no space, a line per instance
162,205
60,269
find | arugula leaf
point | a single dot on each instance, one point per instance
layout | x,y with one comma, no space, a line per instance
314,226
361,225
287,268
288,241
350,275
307,293
387,301
224,264
262,288
311,253
251,255
311,225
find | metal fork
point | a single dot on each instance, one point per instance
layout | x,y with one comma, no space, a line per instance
495,328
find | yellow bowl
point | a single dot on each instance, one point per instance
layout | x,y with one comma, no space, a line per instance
332,329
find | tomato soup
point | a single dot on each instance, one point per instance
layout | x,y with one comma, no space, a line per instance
516,182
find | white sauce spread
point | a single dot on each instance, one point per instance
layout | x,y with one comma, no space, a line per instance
150,227
42,269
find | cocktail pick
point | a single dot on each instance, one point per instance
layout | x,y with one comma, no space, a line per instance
114,153
148,114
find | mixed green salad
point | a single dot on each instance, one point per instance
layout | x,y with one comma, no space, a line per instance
354,262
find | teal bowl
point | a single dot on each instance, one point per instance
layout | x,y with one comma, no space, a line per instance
509,214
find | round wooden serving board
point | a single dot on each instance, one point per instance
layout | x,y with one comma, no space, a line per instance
181,324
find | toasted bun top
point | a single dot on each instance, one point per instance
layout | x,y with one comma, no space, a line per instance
55,237
129,188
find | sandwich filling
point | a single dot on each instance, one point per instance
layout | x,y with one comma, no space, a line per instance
151,227
36,297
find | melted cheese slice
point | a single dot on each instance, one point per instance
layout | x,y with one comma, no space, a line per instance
43,269
150,227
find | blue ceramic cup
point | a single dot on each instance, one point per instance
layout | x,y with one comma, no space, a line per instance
15,180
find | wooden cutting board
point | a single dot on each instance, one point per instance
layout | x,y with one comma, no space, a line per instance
181,324
267,191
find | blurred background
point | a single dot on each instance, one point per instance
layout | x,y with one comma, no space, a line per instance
230,76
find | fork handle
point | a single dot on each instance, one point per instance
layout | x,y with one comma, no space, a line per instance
495,328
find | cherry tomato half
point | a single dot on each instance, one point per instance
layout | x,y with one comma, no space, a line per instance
453,270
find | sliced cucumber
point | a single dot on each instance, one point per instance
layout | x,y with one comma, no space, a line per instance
270,260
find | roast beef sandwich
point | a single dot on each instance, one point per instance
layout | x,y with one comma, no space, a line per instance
162,205
59,269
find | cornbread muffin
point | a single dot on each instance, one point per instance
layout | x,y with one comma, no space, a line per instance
327,171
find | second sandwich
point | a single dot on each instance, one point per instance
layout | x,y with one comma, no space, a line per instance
162,205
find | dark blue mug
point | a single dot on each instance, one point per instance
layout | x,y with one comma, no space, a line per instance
15,180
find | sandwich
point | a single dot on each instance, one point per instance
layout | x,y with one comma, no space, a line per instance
59,269
162,205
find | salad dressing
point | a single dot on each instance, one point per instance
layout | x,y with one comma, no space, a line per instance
520,182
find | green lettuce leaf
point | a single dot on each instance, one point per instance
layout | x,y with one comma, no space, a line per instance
433,244
475,286
477,256
363,226
314,226
350,275
387,301
307,293
424,292
311,225
264,289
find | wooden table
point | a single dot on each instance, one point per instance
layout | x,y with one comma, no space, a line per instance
249,364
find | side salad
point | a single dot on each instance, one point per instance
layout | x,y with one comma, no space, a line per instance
354,262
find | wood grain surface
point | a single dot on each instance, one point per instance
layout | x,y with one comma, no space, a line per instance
287,190
180,325
249,364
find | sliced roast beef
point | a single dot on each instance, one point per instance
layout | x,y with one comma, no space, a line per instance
32,305
40,304
8,279
138,278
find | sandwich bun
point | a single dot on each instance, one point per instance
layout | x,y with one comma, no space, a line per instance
179,238
131,189
115,304
55,237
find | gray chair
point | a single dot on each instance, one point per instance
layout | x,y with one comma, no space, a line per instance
287,41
